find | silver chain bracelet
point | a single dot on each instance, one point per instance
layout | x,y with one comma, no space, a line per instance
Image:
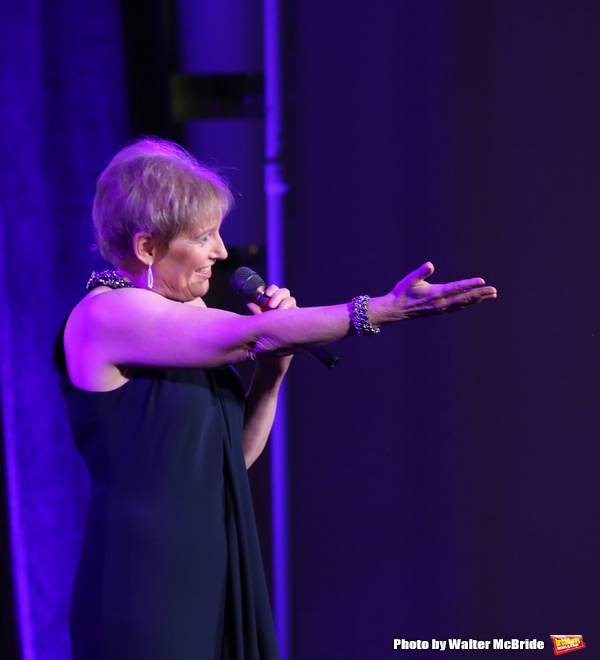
360,316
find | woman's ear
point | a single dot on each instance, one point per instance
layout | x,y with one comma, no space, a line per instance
144,247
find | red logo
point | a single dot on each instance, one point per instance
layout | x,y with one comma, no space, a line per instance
566,643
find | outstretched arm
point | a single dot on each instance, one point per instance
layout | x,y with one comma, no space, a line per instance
140,328
413,294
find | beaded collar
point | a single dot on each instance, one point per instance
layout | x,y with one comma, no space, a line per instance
109,278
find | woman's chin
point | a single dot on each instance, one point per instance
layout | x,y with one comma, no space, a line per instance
200,289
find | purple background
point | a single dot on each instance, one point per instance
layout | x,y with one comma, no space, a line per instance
443,478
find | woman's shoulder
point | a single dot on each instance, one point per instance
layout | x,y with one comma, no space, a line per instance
82,342
110,329
104,308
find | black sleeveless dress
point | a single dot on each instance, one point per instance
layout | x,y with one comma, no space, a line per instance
170,566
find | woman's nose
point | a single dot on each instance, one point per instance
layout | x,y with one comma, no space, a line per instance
220,249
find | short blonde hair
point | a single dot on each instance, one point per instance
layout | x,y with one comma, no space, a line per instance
153,186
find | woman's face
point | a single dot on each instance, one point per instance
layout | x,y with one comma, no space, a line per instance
183,273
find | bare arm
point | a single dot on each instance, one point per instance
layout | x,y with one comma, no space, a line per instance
417,298
261,400
138,327
261,404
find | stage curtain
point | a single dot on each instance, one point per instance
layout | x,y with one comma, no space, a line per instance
64,112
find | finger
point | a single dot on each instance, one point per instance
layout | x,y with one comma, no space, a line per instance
425,270
254,308
278,297
489,290
288,303
270,290
417,276
462,285
484,291
467,298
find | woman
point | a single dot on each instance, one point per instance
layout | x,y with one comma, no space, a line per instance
170,565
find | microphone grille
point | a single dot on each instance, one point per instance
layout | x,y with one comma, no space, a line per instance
246,282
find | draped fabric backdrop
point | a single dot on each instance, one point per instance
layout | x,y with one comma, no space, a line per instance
443,476
63,108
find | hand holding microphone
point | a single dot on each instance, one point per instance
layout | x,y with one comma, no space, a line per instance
253,289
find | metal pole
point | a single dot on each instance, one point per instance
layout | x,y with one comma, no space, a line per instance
275,191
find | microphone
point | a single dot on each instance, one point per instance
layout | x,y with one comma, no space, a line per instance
251,287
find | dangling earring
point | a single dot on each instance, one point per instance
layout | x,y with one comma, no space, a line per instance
150,276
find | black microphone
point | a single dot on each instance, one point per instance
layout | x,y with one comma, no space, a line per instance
251,287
